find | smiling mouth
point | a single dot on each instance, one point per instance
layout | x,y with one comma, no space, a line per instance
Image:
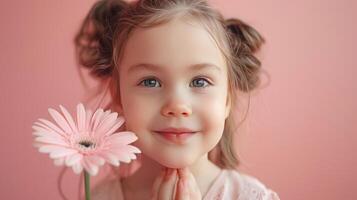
175,137
175,133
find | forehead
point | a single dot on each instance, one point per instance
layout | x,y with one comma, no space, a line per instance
177,43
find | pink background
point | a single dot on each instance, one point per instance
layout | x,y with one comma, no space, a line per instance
300,138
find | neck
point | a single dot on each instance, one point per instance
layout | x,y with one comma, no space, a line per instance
203,170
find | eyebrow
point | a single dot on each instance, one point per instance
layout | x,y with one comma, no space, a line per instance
153,67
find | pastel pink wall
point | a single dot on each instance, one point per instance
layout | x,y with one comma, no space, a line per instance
300,138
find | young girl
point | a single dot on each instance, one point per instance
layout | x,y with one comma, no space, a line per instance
174,69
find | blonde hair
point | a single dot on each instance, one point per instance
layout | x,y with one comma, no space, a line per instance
108,25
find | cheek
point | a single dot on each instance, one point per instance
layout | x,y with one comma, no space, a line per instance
212,107
137,119
135,112
139,111
212,118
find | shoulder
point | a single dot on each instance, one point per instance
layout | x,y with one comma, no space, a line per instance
252,188
232,184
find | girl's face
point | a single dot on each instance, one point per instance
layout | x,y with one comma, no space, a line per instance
174,76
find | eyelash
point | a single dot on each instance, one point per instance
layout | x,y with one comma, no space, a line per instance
208,83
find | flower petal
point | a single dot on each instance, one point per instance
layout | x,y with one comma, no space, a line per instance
103,117
58,154
122,156
88,119
73,159
38,144
57,151
132,156
77,168
59,161
96,118
125,153
51,140
133,149
128,149
119,121
53,127
81,117
40,131
124,137
69,119
90,167
106,124
97,160
110,158
38,134
45,134
39,124
51,148
105,114
60,120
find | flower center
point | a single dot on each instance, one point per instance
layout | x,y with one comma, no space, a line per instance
84,143
87,144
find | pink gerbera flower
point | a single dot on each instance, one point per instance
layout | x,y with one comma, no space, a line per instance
86,144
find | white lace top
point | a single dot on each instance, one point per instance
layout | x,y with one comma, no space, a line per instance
229,185
232,185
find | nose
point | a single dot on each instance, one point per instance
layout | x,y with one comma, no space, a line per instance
176,108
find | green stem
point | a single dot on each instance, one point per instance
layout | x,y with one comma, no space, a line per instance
87,184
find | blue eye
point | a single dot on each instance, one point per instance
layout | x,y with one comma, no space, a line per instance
150,82
200,82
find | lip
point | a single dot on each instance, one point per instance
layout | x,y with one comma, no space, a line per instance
176,135
173,130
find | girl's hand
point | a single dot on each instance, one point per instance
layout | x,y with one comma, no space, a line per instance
176,184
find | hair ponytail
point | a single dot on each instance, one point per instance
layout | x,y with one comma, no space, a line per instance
94,40
245,41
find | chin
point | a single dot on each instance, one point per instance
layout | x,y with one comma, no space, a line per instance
175,163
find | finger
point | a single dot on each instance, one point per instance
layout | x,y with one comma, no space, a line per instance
182,172
157,183
167,186
190,183
182,192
